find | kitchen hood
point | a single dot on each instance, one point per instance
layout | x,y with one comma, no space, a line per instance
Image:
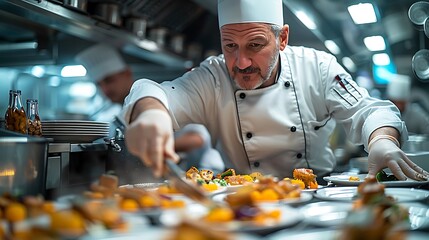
23,22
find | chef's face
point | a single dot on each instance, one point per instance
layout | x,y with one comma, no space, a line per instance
117,86
251,53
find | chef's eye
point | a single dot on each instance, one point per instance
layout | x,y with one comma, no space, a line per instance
230,46
255,45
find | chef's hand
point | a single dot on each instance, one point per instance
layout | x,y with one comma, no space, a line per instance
385,153
150,137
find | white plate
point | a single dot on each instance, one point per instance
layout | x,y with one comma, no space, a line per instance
343,180
156,233
328,234
305,197
311,190
75,138
333,214
349,194
326,214
155,186
233,188
289,216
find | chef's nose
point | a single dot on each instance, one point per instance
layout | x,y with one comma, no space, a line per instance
243,60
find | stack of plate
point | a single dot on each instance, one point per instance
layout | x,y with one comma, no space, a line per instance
72,131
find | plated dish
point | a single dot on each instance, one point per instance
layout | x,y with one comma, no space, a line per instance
333,214
350,193
344,180
288,216
305,197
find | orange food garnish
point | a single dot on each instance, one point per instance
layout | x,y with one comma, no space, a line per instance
130,205
269,194
68,222
148,202
15,212
210,187
220,215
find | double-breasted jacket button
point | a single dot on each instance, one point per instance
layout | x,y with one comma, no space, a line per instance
299,155
256,164
287,84
242,95
293,129
249,135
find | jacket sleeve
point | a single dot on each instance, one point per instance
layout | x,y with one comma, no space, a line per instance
351,106
143,88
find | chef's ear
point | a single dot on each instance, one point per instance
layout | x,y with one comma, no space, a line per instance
284,37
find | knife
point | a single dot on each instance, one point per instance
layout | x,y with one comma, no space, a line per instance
177,177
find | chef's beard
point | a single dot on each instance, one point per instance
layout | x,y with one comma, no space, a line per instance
246,83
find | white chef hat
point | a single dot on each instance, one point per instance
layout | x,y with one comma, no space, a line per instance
399,87
101,61
244,11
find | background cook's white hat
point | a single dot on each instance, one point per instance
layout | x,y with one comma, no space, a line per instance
244,11
100,61
399,87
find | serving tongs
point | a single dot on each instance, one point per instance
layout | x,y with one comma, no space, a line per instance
176,177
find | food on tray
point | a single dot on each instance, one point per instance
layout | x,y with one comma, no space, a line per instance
197,231
226,178
375,215
33,217
354,178
243,205
305,178
382,176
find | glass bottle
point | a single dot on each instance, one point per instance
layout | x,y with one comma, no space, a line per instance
15,117
34,124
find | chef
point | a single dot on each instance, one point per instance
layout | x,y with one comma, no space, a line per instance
270,107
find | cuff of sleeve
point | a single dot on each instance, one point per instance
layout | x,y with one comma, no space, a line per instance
389,120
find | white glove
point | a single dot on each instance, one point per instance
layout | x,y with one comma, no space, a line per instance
150,137
385,153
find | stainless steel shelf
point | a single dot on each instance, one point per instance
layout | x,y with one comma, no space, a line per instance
79,24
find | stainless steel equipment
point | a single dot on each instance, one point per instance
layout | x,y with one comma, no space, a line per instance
23,163
78,4
109,12
128,168
72,167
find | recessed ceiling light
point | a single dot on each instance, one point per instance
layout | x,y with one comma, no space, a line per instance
332,47
375,43
362,13
381,59
306,20
73,71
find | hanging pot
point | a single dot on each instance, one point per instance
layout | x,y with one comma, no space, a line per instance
109,12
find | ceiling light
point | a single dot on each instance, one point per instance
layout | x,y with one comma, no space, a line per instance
362,13
381,59
349,64
73,71
332,47
306,20
38,71
375,43
82,89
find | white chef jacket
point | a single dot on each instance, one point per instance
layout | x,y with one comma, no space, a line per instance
275,129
